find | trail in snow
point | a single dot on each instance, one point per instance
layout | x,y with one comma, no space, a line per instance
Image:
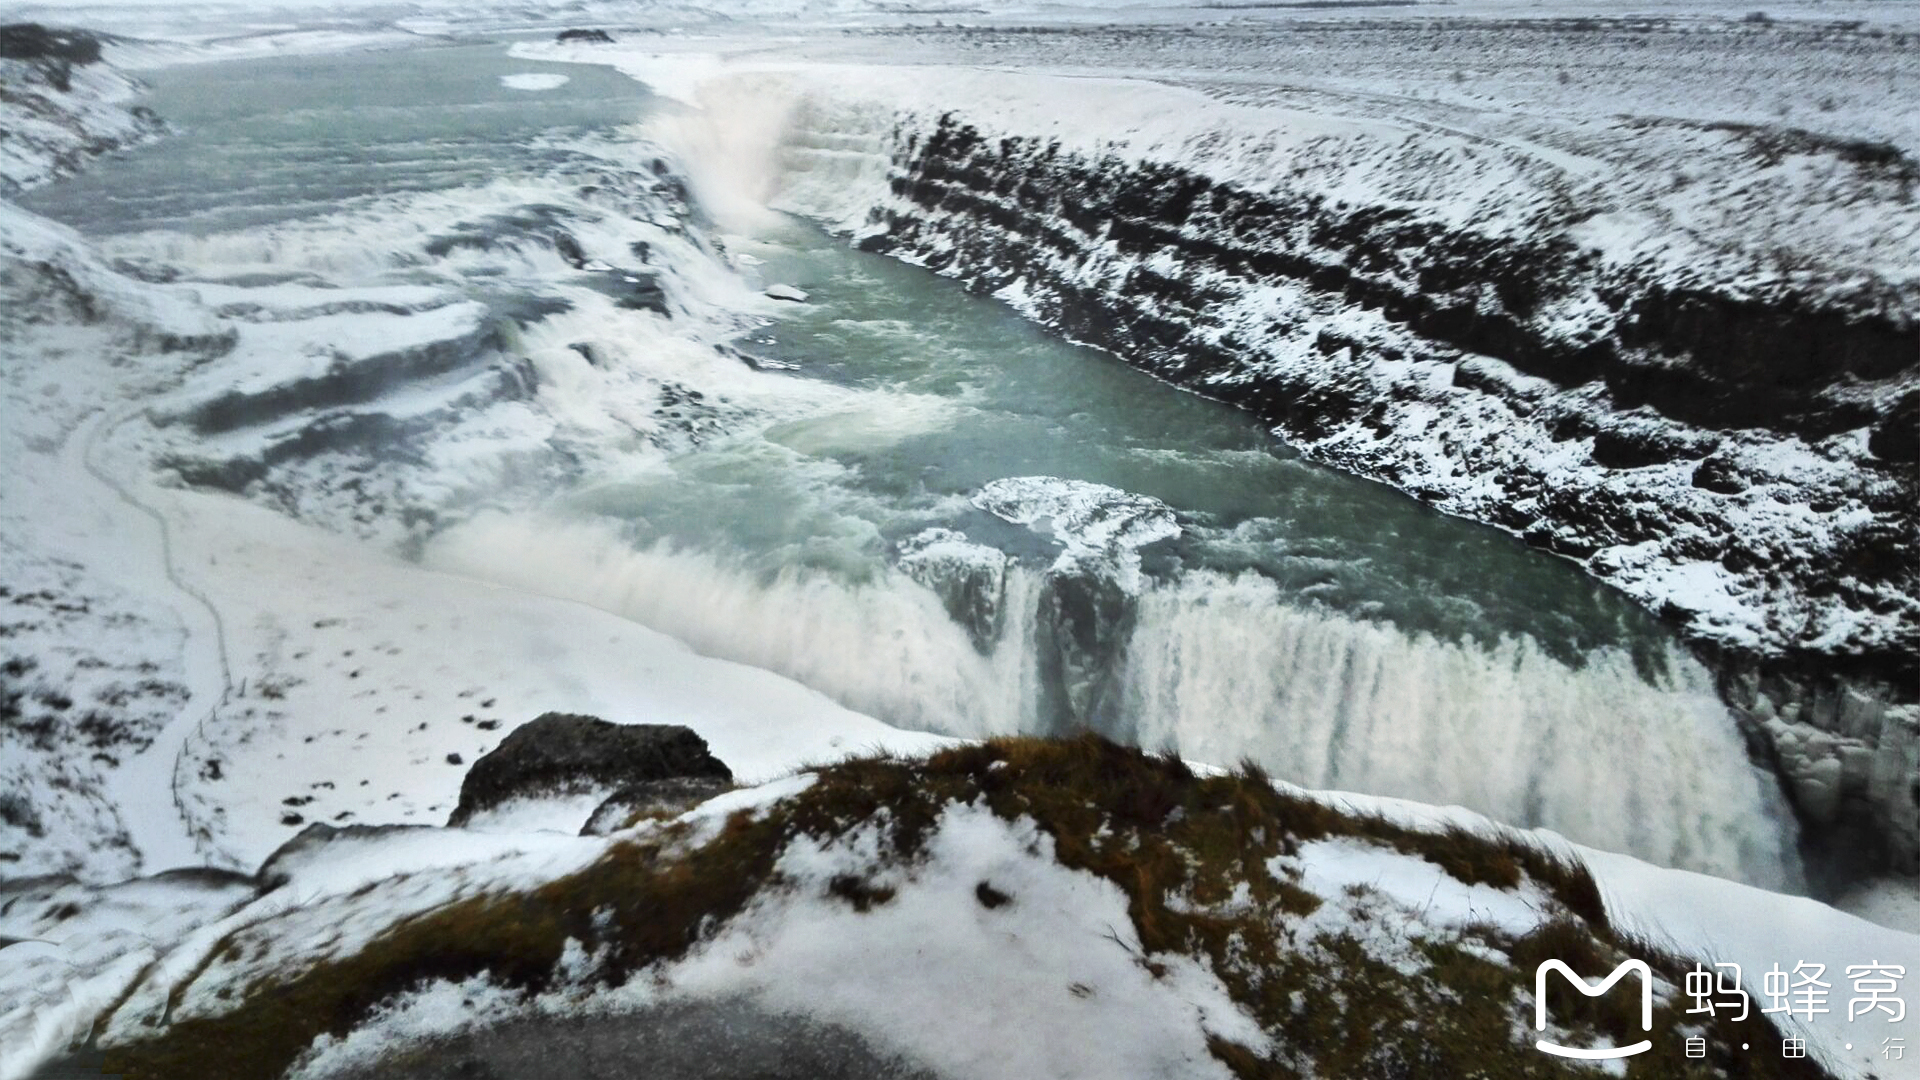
146,789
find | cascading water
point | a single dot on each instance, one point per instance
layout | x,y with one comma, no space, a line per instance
1220,668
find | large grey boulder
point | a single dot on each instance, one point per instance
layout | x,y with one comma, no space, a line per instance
564,754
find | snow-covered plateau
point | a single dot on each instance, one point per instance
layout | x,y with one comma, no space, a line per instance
464,402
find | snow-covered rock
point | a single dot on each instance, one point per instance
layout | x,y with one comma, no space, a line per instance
62,105
970,578
1090,522
1017,909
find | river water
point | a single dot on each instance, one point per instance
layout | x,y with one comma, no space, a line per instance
981,529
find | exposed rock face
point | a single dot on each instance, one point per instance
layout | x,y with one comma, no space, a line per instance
563,753
1085,607
1737,455
59,105
969,578
31,41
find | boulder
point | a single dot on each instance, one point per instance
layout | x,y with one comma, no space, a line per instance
566,754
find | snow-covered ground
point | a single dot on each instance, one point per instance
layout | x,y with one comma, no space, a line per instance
59,113
191,678
295,675
412,670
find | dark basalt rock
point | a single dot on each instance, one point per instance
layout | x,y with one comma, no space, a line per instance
591,37
561,753
644,293
1637,448
568,247
1085,617
669,796
972,587
206,877
17,810
1897,438
1719,475
32,41
1755,361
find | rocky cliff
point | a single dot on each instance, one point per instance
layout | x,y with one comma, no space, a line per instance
59,105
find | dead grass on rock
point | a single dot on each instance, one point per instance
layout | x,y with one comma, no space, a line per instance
1190,853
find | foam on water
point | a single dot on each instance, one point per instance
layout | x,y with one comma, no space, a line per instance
885,646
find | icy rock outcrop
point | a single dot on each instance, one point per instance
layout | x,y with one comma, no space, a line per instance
1093,523
1086,601
564,753
970,579
1083,607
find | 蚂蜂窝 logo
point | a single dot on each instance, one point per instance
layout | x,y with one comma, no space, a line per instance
1636,967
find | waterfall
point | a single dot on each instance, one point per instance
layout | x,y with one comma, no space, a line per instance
1220,668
